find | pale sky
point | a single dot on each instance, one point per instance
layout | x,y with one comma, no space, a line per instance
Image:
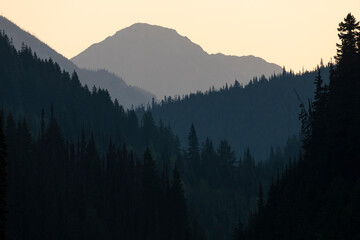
294,34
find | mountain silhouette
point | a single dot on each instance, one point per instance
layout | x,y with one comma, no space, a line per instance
165,63
126,95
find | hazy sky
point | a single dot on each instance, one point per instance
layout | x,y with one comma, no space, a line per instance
291,33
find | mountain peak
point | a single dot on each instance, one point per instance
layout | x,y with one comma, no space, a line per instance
161,61
146,26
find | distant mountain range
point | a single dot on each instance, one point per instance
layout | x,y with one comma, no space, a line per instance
165,63
126,95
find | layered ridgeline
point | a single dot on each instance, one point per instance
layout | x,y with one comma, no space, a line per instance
262,114
319,197
126,95
86,126
161,61
62,182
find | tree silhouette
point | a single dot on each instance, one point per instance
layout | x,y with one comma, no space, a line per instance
238,233
193,154
3,174
348,35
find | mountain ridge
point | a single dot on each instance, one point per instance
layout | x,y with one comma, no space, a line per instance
126,95
166,63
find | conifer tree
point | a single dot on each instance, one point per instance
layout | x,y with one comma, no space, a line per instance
348,34
178,207
248,160
238,233
260,202
193,148
3,175
318,89
227,156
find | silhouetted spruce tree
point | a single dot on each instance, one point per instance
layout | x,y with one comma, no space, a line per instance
318,110
238,233
319,90
151,193
75,79
148,128
227,156
344,97
248,160
193,154
305,120
3,174
93,169
179,212
209,163
260,201
348,36
226,160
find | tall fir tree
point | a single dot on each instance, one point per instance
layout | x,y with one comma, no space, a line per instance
260,201
238,233
179,212
193,154
348,35
3,176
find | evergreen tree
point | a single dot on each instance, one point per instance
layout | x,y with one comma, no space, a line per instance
227,156
260,201
348,35
238,233
319,89
248,160
151,193
3,176
193,149
179,212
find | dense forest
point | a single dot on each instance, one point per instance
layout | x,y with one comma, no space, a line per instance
319,197
219,187
62,190
75,165
259,115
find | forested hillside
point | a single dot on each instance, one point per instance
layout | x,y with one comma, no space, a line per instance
127,95
319,197
62,190
74,151
60,185
259,115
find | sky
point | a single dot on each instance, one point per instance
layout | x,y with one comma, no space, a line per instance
295,34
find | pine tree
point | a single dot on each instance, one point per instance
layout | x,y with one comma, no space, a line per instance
227,156
193,149
238,233
3,175
178,207
305,119
151,193
319,89
260,201
348,34
248,160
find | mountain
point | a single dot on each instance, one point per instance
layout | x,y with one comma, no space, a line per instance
58,180
126,95
165,63
62,183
